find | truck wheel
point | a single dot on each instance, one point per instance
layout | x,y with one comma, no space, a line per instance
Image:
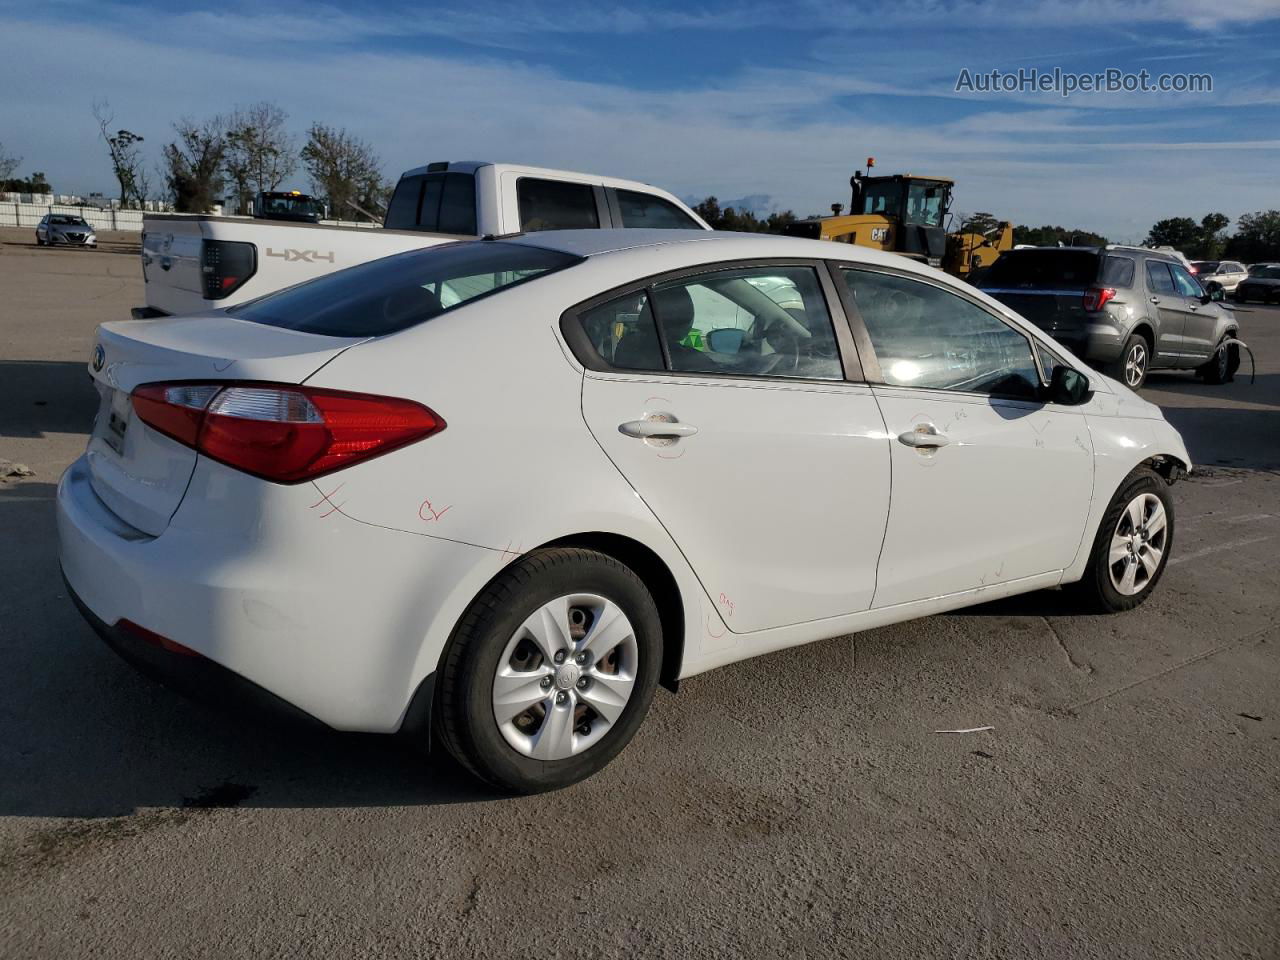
1132,547
1131,368
550,671
1222,366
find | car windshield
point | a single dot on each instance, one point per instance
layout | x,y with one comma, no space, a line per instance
397,292
1050,269
292,204
1205,266
63,221
924,204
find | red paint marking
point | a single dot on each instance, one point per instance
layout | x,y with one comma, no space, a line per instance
325,498
712,634
507,552
726,602
435,515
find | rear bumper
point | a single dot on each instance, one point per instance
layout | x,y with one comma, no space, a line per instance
339,619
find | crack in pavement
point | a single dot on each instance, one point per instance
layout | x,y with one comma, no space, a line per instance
1075,664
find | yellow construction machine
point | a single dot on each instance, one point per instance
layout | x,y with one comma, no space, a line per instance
906,214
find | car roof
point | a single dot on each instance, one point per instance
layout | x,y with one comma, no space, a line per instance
713,244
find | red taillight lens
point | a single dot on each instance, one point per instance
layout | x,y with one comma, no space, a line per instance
280,432
1097,298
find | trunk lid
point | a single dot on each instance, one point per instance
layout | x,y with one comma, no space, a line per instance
140,474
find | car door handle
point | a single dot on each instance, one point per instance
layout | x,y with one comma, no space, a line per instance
1155,299
924,437
659,429
1192,306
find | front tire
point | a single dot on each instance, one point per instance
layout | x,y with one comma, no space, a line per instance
1132,547
551,670
1222,366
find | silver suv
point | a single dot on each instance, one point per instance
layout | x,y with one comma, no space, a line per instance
1126,310
1219,274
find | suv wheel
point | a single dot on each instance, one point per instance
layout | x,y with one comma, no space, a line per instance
550,671
1131,368
1222,366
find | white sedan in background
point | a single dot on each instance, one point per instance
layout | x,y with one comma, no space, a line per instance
495,492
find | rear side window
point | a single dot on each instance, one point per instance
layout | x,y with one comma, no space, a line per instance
646,210
435,202
1050,269
556,205
1117,272
1159,280
394,293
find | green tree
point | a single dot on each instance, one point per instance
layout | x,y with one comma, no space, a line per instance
126,156
742,221
981,222
1257,237
1212,242
260,154
1052,236
344,170
1181,233
8,166
193,164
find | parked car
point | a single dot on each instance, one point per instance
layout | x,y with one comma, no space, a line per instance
1219,274
1255,268
61,229
1126,310
489,488
1263,286
199,262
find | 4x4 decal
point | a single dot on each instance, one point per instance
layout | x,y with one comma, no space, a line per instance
307,256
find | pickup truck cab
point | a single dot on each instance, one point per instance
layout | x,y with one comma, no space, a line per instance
194,262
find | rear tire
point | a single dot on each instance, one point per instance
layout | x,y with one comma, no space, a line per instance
1135,360
1132,547
559,632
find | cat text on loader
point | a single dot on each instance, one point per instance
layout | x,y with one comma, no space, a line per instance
901,213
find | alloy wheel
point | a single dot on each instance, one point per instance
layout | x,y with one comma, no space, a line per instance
1138,544
565,677
1135,364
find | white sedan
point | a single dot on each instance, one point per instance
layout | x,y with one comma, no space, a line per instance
495,492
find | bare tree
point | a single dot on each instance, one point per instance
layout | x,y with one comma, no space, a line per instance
260,154
8,165
193,164
344,169
126,156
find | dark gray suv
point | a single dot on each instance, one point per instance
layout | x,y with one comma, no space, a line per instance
1126,310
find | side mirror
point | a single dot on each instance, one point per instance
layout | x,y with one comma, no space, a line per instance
1217,295
1068,387
726,340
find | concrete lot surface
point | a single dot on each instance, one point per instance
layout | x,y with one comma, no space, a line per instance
1126,804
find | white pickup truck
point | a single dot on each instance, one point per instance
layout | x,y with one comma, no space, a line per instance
197,262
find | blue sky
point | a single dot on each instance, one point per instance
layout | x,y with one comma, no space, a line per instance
779,101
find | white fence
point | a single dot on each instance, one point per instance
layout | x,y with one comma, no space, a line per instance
29,214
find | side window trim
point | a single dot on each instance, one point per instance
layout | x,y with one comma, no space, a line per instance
580,345
614,208
863,336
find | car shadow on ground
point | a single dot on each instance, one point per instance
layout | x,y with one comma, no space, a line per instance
41,396
84,735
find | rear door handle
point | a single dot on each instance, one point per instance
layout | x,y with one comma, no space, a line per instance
924,437
658,429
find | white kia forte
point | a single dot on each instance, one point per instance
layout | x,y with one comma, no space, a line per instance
495,492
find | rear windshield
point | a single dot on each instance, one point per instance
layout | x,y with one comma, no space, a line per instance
1205,266
1044,269
383,296
435,202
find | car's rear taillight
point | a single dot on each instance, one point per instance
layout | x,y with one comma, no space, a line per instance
281,432
225,266
1097,298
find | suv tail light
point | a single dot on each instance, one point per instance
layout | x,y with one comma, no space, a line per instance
1097,298
225,266
282,432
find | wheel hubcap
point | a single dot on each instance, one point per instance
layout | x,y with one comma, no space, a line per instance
565,676
1138,544
1134,364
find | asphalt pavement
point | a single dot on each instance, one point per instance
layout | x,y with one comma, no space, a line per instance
1124,805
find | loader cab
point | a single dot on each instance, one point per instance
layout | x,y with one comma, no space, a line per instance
919,204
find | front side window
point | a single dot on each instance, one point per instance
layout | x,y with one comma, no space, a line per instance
397,292
556,205
1187,285
926,337
646,210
